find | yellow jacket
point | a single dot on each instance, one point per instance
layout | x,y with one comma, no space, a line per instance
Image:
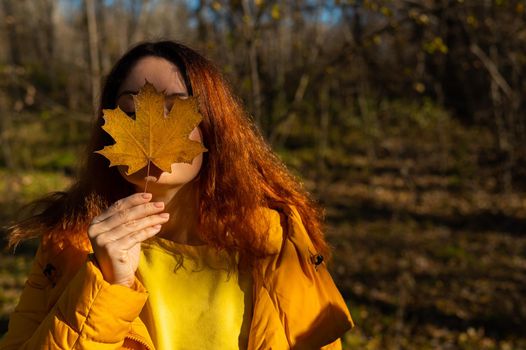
66,303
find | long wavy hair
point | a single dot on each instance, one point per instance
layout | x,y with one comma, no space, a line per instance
239,172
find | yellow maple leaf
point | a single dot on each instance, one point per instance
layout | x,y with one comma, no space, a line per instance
152,136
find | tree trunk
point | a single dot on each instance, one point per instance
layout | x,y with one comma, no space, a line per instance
93,53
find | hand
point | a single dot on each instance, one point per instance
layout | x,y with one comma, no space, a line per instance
117,233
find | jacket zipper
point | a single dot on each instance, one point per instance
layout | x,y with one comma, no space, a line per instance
140,341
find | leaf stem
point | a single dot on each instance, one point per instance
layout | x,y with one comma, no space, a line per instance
147,175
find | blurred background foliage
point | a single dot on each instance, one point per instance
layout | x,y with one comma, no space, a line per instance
404,118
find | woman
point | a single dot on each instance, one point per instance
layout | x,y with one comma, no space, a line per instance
225,253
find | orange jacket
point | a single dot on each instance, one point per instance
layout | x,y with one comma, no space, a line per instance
66,303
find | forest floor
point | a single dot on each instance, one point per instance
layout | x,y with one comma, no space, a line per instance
425,264
422,262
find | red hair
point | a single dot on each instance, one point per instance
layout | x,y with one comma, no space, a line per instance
239,172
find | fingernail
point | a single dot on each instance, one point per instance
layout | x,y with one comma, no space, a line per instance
159,204
156,227
165,215
146,195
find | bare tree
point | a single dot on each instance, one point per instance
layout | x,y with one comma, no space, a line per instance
93,51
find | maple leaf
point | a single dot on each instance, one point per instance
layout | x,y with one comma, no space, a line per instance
152,136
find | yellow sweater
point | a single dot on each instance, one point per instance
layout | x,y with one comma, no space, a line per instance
194,302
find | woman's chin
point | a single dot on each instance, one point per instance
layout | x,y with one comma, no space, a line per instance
160,179
164,180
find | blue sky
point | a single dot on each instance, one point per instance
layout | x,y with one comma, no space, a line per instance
330,14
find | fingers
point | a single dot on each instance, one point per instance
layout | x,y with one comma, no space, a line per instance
130,227
128,216
123,204
129,241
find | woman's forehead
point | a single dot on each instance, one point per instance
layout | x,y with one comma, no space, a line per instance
164,75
